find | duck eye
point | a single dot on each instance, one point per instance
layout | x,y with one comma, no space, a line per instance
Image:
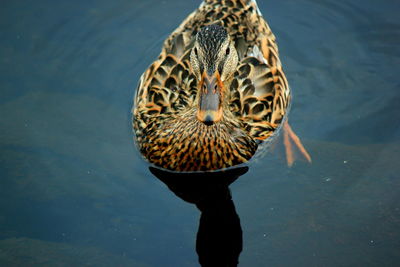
227,51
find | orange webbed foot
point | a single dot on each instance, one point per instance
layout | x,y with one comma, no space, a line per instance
289,138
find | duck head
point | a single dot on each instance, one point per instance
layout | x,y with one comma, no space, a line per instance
213,60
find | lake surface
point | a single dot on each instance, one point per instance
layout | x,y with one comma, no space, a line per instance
74,190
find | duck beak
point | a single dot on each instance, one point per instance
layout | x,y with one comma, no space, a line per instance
210,101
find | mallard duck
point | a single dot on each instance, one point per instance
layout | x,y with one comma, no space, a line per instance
215,92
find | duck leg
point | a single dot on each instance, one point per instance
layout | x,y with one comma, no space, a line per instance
289,138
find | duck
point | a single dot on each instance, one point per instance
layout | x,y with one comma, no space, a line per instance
215,93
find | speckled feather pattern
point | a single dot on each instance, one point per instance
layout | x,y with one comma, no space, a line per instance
167,131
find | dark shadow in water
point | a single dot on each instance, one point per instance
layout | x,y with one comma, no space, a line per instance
219,238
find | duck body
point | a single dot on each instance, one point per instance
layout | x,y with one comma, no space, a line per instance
215,92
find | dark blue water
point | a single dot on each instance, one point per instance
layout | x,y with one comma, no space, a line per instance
74,190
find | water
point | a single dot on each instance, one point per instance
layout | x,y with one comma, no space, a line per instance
74,190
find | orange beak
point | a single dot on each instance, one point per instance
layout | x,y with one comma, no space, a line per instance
210,101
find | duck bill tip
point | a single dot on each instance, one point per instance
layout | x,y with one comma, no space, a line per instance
209,117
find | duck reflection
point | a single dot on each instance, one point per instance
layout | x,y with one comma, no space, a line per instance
219,238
